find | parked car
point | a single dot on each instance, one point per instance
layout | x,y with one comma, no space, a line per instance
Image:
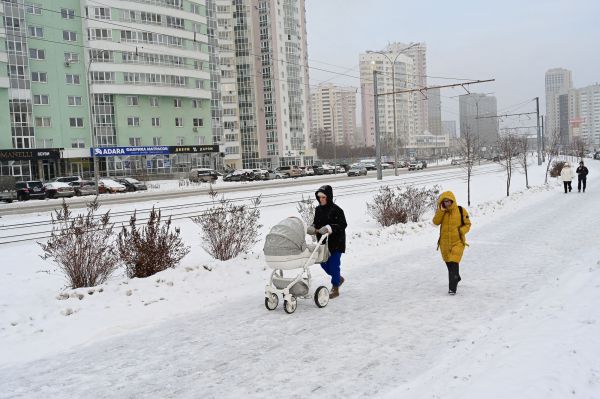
318,169
110,186
31,189
370,166
357,171
423,164
261,174
597,155
84,187
310,171
327,169
56,189
205,175
290,171
414,165
67,179
386,165
131,184
240,175
456,162
8,192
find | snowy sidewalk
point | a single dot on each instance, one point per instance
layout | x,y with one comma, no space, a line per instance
393,326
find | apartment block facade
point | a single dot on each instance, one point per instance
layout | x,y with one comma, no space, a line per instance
333,115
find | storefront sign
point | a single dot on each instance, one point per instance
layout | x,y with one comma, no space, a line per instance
153,150
193,149
29,154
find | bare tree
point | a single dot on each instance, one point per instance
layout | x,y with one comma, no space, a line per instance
579,147
509,148
523,149
468,144
553,150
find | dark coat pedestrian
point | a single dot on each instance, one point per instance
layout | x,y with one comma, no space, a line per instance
582,172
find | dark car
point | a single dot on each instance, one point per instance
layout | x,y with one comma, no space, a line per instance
131,184
240,175
423,164
83,187
31,189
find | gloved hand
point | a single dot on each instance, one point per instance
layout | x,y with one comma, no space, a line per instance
311,230
325,230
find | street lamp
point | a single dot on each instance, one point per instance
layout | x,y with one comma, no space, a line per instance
91,112
394,98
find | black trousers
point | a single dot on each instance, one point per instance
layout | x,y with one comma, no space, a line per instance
453,275
581,181
567,185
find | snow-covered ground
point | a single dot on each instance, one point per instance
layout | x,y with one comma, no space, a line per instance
523,324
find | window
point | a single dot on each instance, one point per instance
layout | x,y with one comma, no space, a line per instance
41,99
135,141
156,140
36,31
133,101
72,79
100,34
102,13
40,77
197,103
196,8
199,84
180,140
154,101
198,122
101,55
76,122
133,121
78,143
69,36
103,77
179,122
174,22
37,54
74,101
72,58
67,13
177,102
45,143
43,121
156,122
35,9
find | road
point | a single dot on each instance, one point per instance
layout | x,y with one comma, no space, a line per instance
80,202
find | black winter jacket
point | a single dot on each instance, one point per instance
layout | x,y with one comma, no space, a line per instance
331,215
582,172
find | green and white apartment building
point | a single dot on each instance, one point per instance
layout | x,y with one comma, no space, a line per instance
173,84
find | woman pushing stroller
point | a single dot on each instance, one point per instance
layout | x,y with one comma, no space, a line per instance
330,219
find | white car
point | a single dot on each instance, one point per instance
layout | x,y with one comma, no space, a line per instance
110,186
58,189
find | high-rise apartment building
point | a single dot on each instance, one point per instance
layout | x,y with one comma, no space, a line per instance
434,112
477,115
558,81
333,115
585,115
143,65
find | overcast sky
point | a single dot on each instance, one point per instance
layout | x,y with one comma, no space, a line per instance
513,41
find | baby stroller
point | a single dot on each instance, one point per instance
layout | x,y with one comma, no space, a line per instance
286,249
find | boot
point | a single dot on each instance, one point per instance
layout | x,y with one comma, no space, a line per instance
342,281
335,292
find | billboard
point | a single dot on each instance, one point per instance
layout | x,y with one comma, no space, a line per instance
153,150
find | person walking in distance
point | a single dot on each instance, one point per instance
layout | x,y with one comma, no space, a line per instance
582,172
330,219
454,225
567,175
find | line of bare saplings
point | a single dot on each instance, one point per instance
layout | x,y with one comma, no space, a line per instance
88,248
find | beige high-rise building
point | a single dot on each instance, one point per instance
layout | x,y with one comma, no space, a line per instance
333,115
407,118
558,82
264,82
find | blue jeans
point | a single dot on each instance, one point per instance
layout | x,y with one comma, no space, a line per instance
332,267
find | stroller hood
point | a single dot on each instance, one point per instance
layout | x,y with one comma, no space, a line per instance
286,238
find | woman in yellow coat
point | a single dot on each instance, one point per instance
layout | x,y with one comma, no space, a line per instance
454,225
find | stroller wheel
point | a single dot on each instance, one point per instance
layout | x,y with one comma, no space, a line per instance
271,301
322,296
291,305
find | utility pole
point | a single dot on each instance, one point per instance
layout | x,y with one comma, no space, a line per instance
333,134
539,133
543,144
377,138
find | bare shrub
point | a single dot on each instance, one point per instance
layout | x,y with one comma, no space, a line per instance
83,246
393,205
556,168
306,209
508,146
228,229
147,250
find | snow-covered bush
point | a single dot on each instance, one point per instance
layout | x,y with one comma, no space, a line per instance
557,167
83,246
393,205
228,229
306,209
152,248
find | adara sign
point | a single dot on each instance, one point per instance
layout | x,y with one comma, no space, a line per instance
153,150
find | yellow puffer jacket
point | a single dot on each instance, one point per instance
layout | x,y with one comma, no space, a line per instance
452,239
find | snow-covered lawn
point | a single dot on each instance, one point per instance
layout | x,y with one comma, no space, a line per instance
523,324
